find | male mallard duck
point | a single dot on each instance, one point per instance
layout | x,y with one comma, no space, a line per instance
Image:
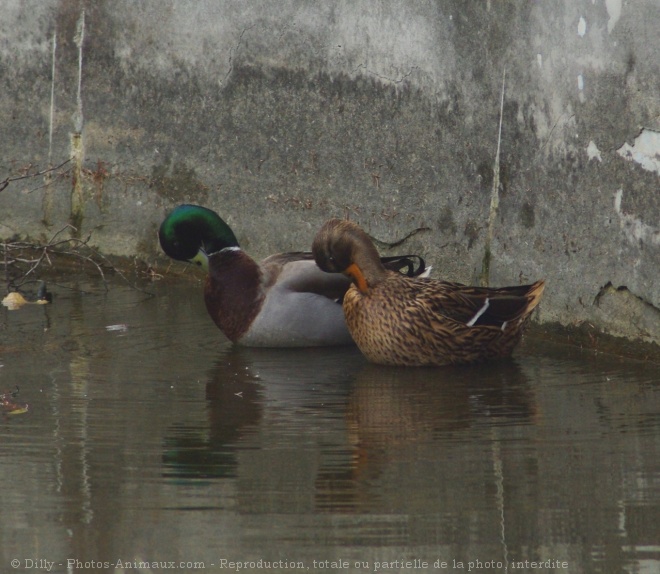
284,301
398,320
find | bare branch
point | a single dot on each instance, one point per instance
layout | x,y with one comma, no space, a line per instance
27,175
70,247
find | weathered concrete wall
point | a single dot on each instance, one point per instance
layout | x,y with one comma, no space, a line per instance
281,114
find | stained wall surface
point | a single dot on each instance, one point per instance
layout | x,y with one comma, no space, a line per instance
505,141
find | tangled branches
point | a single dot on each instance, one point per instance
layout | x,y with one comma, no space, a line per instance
22,259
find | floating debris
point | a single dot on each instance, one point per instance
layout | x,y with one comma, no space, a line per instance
9,407
16,300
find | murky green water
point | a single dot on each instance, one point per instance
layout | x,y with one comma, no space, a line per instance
149,440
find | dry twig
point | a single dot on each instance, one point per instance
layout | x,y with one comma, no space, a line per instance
17,253
28,174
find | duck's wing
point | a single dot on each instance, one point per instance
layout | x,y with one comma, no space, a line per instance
298,272
480,305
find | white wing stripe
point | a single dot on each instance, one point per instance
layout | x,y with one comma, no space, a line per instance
478,314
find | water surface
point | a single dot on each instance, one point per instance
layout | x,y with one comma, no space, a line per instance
149,441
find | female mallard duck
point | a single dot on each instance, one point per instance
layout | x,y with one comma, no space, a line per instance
284,301
398,320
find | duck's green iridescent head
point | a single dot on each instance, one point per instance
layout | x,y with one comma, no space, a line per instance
191,233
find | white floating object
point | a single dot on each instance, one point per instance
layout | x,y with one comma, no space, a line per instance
13,301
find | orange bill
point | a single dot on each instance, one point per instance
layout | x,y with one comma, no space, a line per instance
354,272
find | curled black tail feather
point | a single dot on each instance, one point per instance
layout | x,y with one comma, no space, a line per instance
408,265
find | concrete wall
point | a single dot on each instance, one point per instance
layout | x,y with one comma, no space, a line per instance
281,114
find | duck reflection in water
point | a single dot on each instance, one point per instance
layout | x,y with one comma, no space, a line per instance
393,414
251,388
343,421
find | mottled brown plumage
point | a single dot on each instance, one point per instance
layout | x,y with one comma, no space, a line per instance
397,320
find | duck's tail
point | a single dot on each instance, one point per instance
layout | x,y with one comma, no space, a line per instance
534,295
408,265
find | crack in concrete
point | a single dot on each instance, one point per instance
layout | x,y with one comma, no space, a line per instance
610,288
47,202
624,306
634,228
495,195
51,120
383,77
232,52
398,242
77,144
79,40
